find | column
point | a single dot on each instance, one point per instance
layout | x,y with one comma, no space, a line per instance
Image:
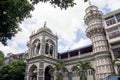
70,76
41,71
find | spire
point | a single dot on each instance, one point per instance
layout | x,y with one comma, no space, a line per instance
45,23
89,2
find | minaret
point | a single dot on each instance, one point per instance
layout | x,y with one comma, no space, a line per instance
95,31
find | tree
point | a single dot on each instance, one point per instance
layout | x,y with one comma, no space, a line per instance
81,68
63,4
58,69
13,71
117,60
12,12
1,58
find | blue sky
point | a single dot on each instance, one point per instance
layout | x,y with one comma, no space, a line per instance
68,24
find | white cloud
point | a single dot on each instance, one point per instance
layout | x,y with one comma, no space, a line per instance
63,22
81,43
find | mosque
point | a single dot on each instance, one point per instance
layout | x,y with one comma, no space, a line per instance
43,53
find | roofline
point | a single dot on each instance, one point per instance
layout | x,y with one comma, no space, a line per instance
111,13
76,49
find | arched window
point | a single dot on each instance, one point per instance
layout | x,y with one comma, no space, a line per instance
38,48
34,49
33,72
35,46
51,50
47,48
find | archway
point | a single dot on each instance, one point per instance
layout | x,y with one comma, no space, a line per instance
47,74
33,72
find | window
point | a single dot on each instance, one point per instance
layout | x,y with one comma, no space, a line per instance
47,48
114,34
118,17
110,21
34,49
38,48
112,29
51,50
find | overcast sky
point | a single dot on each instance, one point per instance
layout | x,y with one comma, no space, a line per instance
68,24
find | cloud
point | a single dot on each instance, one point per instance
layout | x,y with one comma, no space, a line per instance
63,22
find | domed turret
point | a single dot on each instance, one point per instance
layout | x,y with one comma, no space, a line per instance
44,28
93,19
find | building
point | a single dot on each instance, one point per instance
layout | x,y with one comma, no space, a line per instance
14,57
112,28
42,53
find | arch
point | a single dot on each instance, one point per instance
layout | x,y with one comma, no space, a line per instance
47,74
73,68
33,72
50,41
51,50
35,41
38,48
49,47
35,47
74,72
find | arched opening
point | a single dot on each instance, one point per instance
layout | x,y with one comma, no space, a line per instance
49,47
46,48
48,76
73,74
35,46
33,72
34,50
38,48
51,50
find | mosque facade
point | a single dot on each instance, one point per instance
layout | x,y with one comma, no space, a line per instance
42,51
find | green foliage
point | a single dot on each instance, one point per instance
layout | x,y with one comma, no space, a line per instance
81,68
12,12
117,59
63,4
85,0
57,69
13,71
1,58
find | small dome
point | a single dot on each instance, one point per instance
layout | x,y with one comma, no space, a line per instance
91,7
44,28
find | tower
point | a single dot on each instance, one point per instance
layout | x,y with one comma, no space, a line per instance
42,53
95,31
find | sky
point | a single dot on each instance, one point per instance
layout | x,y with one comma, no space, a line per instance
67,24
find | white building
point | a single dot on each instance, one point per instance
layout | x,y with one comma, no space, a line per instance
42,53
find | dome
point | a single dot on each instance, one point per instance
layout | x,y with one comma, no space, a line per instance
91,7
44,28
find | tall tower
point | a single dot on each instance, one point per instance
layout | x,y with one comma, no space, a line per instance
42,53
95,31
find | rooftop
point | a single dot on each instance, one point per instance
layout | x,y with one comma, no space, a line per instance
111,13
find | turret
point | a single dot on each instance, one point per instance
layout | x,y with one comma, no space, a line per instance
95,31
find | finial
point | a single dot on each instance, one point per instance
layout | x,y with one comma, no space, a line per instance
89,2
45,23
